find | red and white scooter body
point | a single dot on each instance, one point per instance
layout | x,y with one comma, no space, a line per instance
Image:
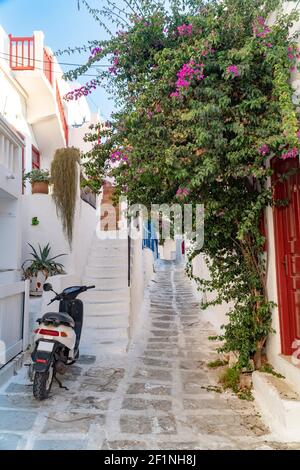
61,333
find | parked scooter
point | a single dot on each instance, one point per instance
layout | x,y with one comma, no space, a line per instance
57,339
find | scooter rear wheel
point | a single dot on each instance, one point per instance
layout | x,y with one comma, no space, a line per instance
42,384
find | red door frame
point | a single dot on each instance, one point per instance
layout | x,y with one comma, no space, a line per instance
286,318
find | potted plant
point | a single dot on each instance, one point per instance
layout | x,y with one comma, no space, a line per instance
39,180
40,267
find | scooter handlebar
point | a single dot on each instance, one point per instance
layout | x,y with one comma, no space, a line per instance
61,296
54,299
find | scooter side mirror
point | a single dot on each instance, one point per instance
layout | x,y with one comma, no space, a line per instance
47,287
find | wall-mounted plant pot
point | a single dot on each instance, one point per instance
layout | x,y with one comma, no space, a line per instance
37,283
40,187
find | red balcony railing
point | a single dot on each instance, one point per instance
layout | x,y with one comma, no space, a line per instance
62,114
48,64
22,53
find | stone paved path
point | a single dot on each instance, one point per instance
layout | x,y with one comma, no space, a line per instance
158,397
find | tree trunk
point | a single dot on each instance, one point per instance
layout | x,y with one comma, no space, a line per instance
257,359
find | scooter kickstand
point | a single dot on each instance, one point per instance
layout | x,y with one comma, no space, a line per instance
60,384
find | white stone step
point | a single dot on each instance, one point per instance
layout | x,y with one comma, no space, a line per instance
106,308
105,334
120,254
108,260
112,284
104,250
107,271
110,243
279,404
106,295
106,321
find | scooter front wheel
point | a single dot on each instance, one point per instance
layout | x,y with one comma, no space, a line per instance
42,384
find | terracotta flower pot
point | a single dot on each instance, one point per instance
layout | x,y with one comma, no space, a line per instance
40,187
37,283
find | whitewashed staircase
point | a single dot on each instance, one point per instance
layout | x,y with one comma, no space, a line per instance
106,308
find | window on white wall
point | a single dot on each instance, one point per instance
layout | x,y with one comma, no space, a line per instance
36,159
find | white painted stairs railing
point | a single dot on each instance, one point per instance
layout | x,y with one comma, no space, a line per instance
107,307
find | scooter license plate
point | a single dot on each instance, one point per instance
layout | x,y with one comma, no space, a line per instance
45,346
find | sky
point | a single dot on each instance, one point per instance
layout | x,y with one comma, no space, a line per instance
63,26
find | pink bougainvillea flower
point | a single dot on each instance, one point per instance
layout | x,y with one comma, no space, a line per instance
293,53
158,108
185,76
260,29
298,134
116,155
187,72
185,30
94,52
233,70
181,193
261,20
292,153
149,114
264,150
114,68
82,91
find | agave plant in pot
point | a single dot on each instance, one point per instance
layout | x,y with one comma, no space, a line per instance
40,267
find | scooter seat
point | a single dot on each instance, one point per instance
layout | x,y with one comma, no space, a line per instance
57,318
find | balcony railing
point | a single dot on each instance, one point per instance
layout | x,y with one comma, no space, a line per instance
62,114
22,56
22,53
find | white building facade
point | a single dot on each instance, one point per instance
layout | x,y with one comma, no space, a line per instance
37,121
34,122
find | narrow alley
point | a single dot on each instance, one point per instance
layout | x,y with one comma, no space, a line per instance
161,395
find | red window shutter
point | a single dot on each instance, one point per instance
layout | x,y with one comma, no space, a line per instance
36,159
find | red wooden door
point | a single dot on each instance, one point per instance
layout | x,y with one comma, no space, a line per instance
287,241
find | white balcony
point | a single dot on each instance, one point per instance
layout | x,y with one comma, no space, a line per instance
39,74
10,162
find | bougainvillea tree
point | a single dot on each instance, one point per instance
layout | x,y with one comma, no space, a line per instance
204,101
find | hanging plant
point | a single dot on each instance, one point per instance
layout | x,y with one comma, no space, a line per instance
64,177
